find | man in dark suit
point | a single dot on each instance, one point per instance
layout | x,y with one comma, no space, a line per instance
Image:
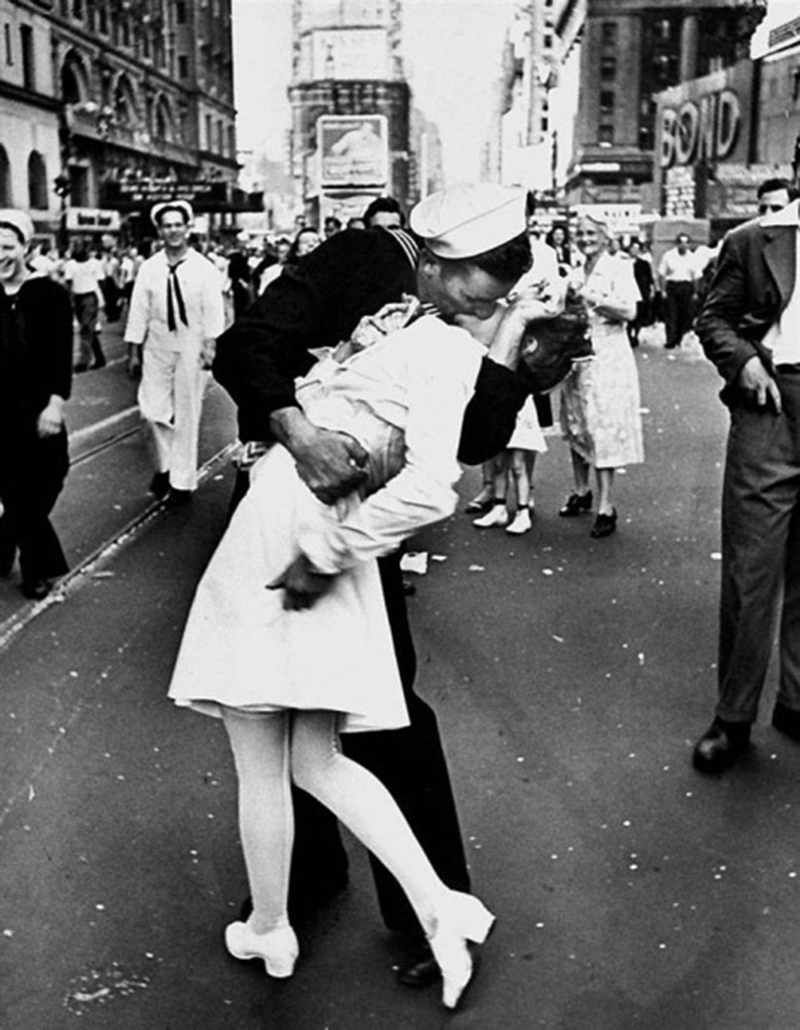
318,304
748,328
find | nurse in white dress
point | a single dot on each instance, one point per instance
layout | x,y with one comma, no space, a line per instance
288,669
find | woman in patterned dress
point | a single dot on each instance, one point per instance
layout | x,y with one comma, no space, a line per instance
600,416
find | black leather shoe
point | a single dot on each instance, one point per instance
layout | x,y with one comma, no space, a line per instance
419,968
787,721
159,484
604,525
177,498
37,589
576,504
479,507
721,746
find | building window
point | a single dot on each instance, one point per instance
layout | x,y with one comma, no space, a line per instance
608,69
77,8
605,135
209,143
37,182
796,84
180,13
5,179
606,101
609,32
26,46
79,186
662,29
183,67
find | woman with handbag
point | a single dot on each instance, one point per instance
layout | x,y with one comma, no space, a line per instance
600,416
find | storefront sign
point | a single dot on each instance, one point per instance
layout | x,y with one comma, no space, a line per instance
134,195
89,219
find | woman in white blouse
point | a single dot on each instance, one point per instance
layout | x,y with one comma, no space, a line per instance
600,416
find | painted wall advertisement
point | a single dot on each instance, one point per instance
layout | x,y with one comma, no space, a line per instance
703,127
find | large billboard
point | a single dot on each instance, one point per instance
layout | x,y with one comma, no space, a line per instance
353,150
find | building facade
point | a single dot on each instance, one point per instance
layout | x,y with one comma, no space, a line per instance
631,50
352,126
720,135
112,104
535,101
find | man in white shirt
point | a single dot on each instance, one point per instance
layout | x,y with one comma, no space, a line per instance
82,275
676,278
176,314
748,328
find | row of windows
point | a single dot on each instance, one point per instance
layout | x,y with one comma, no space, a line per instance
219,139
38,192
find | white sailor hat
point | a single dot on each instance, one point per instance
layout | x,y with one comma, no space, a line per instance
11,218
469,219
157,210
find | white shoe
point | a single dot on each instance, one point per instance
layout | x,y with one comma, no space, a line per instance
278,949
496,516
521,522
462,921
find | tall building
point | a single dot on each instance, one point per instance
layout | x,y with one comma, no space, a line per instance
630,51
532,127
351,106
107,105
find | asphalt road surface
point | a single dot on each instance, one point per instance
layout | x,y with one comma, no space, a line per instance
571,678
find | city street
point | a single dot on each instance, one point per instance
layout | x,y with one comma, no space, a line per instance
571,677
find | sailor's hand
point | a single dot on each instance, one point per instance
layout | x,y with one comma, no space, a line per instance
302,585
331,464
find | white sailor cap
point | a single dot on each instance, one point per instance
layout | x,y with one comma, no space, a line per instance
158,210
469,219
11,218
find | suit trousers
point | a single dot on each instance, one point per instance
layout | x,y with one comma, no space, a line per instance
678,312
760,554
409,762
32,473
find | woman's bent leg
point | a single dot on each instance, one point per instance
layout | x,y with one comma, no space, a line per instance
369,811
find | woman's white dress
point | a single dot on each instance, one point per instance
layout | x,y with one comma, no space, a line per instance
403,399
600,402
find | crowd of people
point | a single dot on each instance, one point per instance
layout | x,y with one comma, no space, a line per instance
368,364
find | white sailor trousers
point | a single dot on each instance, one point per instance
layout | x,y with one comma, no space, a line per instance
171,403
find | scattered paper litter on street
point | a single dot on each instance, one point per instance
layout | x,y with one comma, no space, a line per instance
415,561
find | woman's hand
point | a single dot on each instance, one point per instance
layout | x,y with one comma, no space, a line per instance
530,304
